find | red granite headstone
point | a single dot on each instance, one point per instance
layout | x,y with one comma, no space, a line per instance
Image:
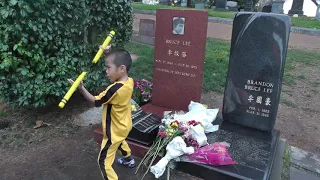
179,57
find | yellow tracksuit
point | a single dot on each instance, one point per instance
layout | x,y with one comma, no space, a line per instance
116,124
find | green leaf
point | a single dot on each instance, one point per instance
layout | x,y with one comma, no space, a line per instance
24,71
28,9
13,2
15,47
23,13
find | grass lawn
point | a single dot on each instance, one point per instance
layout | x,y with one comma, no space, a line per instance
216,63
299,22
221,14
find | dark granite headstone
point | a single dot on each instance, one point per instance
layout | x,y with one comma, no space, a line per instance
257,57
253,150
318,12
296,8
248,5
267,9
144,127
221,4
179,57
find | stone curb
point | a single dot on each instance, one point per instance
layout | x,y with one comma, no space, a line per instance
297,30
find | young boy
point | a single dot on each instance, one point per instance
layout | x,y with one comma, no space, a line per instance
116,116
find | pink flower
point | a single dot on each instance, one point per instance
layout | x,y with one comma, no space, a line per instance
192,122
162,134
184,129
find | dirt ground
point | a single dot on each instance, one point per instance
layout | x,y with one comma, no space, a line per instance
61,151
63,158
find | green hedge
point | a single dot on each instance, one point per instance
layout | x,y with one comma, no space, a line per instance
44,42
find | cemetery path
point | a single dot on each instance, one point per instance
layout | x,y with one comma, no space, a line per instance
224,31
64,158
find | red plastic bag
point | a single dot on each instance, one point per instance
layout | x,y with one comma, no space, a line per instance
213,154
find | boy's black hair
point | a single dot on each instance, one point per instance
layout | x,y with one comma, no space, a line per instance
121,57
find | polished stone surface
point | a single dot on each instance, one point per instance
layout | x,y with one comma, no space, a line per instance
257,58
253,150
179,57
144,127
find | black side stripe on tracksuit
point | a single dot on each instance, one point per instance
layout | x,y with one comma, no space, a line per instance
123,152
104,151
108,95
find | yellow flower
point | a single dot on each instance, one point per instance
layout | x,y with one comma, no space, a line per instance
202,128
133,108
174,124
206,106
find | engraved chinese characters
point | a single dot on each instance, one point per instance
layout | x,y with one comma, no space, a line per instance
257,57
179,57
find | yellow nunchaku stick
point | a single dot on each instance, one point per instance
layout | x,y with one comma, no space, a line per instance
83,74
72,90
104,45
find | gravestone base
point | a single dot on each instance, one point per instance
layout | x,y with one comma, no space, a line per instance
150,108
293,12
253,150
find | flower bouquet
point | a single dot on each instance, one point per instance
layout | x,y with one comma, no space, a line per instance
165,136
142,91
213,154
173,136
182,136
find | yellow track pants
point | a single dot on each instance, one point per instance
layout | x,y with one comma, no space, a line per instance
108,154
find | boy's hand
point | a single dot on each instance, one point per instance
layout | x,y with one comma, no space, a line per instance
80,87
107,49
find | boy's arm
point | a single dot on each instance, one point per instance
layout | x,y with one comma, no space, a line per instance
84,91
106,96
87,94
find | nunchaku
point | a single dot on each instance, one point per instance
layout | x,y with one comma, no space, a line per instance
77,82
